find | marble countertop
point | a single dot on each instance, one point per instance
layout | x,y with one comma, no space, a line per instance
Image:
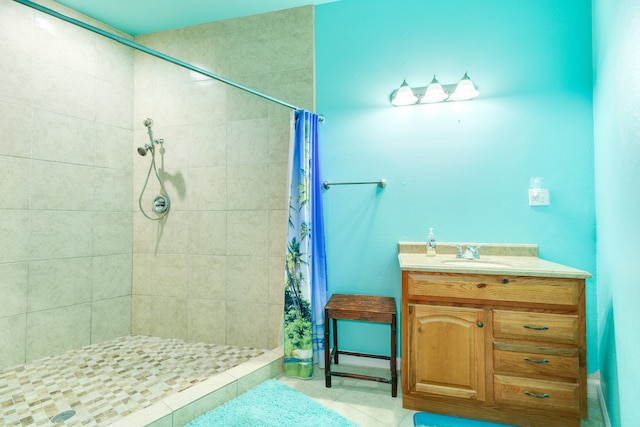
512,260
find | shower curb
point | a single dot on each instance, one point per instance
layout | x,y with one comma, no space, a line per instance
180,408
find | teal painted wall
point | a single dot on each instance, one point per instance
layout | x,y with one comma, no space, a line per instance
462,168
617,148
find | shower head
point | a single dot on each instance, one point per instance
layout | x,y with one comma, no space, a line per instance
143,150
148,122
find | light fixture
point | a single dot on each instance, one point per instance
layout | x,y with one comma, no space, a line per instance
434,92
403,96
465,90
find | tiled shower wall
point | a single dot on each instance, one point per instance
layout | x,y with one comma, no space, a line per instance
213,271
69,244
65,186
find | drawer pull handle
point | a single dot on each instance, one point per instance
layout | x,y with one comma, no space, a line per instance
543,361
537,396
536,328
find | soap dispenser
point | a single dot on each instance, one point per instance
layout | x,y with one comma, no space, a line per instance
431,244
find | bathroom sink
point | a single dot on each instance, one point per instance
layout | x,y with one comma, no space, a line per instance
476,263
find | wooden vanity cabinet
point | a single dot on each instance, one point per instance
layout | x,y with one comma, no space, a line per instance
500,348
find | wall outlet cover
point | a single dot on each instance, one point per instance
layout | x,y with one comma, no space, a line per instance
539,197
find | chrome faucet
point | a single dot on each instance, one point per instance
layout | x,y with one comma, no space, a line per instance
471,252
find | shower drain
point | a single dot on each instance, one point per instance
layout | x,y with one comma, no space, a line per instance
63,416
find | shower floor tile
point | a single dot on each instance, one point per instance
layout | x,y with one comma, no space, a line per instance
106,381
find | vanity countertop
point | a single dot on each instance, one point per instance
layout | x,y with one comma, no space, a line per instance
507,259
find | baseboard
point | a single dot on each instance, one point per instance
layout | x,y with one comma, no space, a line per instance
594,388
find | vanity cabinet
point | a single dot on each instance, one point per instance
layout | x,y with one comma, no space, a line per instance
497,347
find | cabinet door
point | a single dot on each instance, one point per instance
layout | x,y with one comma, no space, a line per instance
447,351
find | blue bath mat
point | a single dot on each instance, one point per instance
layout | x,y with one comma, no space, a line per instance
425,419
271,404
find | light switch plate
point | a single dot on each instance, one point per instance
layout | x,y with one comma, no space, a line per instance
539,197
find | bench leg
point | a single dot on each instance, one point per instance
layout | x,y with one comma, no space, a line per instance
335,341
394,374
327,351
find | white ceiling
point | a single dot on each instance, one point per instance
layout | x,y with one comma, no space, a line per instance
137,17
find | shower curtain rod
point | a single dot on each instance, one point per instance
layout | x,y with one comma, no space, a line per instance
154,53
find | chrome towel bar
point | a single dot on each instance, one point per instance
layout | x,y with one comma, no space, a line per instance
381,183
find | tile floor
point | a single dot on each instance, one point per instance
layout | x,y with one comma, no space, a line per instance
107,381
369,403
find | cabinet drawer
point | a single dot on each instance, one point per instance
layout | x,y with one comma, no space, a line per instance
549,362
557,328
530,393
497,288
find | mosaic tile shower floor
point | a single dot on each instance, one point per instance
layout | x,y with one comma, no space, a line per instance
106,381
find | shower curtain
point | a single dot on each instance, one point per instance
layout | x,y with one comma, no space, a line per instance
305,266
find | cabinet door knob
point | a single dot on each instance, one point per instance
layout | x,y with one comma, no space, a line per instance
480,324
505,281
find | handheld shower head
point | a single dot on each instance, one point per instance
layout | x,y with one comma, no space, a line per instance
148,122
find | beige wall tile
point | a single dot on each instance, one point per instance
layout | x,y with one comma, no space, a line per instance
207,233
248,187
169,275
60,233
203,101
59,282
61,186
248,233
14,235
57,330
159,316
65,44
113,104
207,144
248,142
111,233
12,340
142,278
110,318
113,190
278,191
14,120
62,138
276,279
247,279
58,90
14,185
207,277
280,127
17,23
15,76
276,325
13,291
114,63
111,276
113,147
278,222
207,188
206,320
243,105
247,324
